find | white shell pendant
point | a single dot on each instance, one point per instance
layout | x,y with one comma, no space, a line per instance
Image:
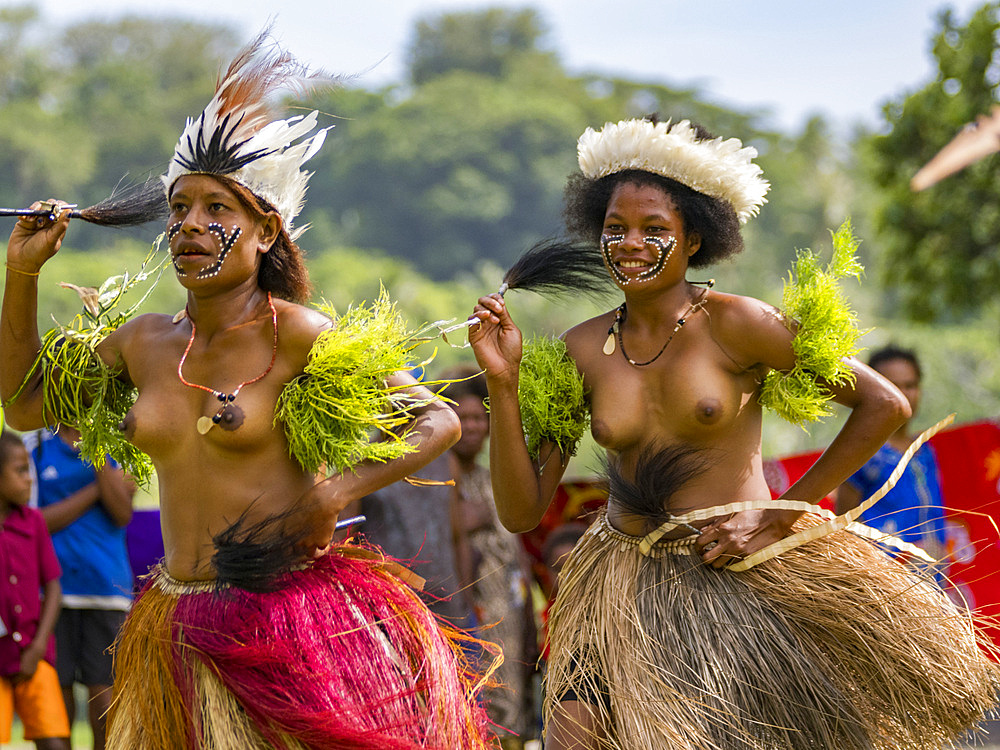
609,345
205,424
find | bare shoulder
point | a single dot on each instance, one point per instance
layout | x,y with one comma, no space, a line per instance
580,339
751,332
125,346
299,326
140,331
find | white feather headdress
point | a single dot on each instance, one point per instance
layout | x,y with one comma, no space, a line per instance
719,168
239,135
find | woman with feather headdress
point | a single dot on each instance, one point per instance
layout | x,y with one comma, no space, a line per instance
255,631
696,613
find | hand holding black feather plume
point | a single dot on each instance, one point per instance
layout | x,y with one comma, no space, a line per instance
134,205
554,267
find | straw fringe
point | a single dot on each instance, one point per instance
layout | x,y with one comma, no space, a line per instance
832,645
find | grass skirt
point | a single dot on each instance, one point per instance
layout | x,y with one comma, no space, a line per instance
830,645
341,655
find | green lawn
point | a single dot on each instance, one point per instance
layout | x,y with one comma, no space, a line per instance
81,737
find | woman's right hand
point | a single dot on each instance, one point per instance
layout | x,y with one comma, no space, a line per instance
496,341
35,239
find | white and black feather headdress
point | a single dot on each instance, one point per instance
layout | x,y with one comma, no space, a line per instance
239,134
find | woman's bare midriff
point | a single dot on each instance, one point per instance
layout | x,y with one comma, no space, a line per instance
693,396
208,481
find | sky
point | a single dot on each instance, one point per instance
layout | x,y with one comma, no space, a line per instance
790,58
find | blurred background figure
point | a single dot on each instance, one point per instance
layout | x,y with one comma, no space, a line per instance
86,511
913,510
559,543
415,523
495,567
29,685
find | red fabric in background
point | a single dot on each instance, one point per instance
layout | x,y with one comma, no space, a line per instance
573,501
969,460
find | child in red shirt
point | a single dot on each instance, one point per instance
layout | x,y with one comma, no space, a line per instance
29,684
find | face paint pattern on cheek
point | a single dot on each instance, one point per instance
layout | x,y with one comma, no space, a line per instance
172,231
226,243
664,251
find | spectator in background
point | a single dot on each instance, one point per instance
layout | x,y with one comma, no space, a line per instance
496,570
86,511
913,510
29,684
415,523
558,544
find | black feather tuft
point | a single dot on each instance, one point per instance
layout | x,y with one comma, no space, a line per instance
136,204
251,556
560,266
659,473
218,156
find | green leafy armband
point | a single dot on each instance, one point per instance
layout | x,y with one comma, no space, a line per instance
78,388
551,396
827,332
340,411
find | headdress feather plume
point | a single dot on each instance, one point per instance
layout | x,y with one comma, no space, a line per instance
240,135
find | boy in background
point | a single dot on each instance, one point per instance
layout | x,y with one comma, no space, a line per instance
29,684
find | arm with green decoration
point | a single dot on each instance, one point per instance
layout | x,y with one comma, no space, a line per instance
825,369
21,390
807,367
355,413
70,375
538,412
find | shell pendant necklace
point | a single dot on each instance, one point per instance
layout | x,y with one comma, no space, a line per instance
615,331
229,416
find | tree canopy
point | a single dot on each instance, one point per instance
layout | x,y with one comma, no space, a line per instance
938,248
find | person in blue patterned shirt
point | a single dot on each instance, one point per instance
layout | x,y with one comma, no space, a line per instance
913,510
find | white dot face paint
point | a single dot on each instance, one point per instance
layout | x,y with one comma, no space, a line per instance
172,232
664,251
226,242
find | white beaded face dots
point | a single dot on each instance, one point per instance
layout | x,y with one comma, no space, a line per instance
226,242
172,231
664,251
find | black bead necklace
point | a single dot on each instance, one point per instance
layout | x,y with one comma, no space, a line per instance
615,331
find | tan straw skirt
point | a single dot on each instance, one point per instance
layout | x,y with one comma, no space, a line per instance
833,644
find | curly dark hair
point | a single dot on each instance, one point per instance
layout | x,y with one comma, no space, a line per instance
471,381
714,220
8,443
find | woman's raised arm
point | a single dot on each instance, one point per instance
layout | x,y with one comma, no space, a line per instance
521,490
33,241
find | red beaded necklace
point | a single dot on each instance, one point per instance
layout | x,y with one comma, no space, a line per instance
227,413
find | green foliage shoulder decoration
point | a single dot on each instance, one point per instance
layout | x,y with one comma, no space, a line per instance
827,332
79,389
341,411
551,396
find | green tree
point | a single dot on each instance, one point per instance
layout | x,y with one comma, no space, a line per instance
484,42
42,153
939,247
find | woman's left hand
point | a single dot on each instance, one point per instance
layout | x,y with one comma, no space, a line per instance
727,539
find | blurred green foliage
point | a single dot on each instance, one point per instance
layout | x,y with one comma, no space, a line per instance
432,186
939,246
